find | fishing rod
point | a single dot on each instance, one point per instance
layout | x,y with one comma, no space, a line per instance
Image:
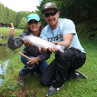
5,45
28,66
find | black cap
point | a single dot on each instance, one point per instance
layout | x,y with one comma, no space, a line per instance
49,5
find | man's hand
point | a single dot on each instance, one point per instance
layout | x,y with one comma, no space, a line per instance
52,49
11,31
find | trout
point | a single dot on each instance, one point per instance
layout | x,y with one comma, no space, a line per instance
39,42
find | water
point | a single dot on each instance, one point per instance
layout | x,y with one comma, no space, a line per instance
5,52
3,69
4,57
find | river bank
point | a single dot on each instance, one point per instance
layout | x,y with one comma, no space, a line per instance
5,52
3,70
33,88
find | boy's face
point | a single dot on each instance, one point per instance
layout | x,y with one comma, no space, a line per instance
34,25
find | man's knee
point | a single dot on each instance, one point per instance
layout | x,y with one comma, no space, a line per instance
44,83
61,56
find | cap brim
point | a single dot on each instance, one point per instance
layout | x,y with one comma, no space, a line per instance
33,19
47,9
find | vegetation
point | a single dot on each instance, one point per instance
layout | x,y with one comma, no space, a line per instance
33,88
8,16
4,51
77,10
83,13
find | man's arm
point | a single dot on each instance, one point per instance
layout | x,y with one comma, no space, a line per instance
67,38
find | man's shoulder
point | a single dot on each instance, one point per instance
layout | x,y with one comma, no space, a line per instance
46,28
65,20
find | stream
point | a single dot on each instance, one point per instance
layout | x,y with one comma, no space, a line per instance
3,69
4,58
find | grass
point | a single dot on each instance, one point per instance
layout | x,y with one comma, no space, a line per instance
33,88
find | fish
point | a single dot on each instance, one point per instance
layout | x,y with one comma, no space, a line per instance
39,42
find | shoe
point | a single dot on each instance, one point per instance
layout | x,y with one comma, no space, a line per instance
21,79
52,91
77,75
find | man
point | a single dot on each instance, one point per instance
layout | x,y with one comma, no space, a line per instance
63,67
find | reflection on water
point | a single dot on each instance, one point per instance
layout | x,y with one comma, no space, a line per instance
4,56
3,69
4,53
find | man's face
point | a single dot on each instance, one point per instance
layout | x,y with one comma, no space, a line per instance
51,17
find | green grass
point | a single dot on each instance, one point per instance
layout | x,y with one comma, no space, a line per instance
4,31
33,88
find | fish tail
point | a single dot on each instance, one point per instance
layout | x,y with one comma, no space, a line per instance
61,47
61,50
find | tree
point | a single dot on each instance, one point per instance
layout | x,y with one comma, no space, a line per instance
20,15
76,10
23,23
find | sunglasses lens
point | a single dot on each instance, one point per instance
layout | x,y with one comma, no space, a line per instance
46,14
51,13
35,22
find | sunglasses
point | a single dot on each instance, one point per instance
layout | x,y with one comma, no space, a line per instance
31,22
50,13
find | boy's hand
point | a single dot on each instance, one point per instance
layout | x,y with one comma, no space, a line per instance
11,31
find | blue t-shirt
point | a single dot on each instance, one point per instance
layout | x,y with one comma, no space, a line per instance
64,26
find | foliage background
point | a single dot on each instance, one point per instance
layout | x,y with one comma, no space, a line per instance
77,10
83,13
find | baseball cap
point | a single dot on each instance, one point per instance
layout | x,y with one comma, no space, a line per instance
33,16
49,5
